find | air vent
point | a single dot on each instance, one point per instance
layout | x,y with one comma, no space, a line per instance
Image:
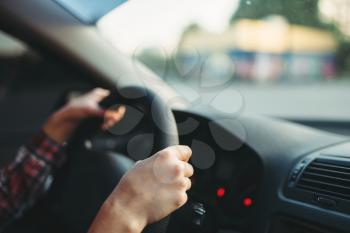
327,176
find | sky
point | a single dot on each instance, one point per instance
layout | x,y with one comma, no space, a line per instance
336,11
159,23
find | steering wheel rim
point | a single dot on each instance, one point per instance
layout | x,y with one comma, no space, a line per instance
165,134
154,108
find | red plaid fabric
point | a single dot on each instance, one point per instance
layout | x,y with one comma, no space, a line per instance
24,180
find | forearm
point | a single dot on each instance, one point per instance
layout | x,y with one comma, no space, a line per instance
116,218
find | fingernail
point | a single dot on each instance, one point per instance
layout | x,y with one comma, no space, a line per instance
185,149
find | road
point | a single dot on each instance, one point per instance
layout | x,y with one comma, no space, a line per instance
317,101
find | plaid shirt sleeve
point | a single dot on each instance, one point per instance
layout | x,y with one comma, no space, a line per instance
29,176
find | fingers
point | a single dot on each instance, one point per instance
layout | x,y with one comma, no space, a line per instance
170,165
91,98
181,152
188,183
188,170
113,116
97,94
86,106
78,113
184,183
180,199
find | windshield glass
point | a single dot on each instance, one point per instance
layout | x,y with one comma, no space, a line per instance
274,57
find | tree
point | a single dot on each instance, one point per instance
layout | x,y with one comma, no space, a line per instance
302,12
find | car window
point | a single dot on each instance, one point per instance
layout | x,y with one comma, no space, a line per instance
32,85
274,57
11,52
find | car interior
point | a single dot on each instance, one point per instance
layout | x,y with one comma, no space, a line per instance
253,173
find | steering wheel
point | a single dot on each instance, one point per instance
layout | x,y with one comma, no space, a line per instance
88,177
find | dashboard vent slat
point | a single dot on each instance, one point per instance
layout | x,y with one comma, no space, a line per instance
326,176
318,190
318,164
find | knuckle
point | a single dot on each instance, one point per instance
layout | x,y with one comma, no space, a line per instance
98,90
181,199
191,170
139,164
165,154
178,169
183,184
189,184
188,149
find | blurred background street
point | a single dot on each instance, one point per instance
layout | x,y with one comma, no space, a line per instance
285,58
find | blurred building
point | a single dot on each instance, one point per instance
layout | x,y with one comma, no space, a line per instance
267,49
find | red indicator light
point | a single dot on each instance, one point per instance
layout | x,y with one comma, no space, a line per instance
220,192
247,202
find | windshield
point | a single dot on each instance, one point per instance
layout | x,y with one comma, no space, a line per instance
280,58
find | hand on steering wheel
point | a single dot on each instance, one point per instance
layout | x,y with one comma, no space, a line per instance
64,122
148,192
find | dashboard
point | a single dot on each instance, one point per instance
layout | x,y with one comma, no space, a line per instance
242,177
259,195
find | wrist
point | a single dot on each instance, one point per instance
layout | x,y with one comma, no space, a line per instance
115,217
132,220
56,129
